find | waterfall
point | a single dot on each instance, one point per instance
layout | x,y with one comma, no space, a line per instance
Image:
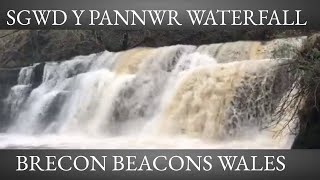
182,96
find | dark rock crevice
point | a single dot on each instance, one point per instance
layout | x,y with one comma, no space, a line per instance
309,133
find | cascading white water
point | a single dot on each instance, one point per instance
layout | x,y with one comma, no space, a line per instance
169,97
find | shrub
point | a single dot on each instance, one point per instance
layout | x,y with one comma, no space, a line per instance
304,96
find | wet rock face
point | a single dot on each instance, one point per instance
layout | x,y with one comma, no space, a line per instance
8,78
309,134
37,75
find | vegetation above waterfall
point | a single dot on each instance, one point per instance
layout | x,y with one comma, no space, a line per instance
305,94
307,65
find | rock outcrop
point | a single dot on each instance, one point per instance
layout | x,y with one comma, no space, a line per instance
24,47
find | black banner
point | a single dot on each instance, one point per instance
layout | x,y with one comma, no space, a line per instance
175,14
159,164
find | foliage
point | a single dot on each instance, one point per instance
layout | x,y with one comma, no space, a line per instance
305,92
